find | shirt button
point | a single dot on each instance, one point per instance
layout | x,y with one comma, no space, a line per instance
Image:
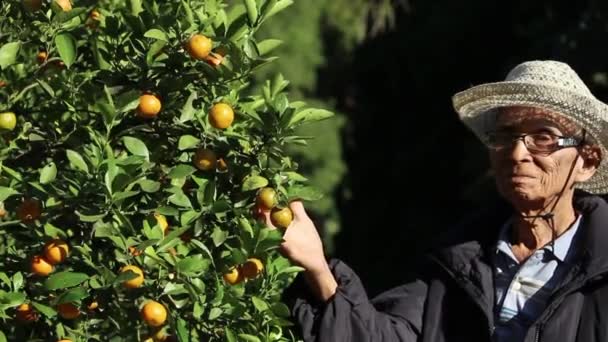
516,285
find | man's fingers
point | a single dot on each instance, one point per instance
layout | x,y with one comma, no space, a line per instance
266,215
297,207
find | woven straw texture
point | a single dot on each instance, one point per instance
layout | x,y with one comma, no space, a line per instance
550,85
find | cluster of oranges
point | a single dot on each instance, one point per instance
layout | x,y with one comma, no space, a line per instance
267,200
251,269
54,252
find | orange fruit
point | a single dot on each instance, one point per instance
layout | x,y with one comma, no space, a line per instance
214,59
233,276
68,311
135,282
29,210
92,305
222,165
252,268
267,198
154,313
2,83
134,251
205,159
8,121
55,251
281,217
2,210
41,57
199,46
149,106
95,15
32,5
26,313
66,5
161,220
221,115
64,340
41,266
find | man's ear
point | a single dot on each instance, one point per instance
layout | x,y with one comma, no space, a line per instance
592,157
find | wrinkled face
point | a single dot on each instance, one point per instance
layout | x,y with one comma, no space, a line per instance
531,178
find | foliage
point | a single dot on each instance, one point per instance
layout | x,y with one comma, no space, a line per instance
108,175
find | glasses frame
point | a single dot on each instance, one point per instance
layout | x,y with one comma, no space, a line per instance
562,141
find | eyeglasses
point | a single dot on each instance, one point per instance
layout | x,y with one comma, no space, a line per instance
534,142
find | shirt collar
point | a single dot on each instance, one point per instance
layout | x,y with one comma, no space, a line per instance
561,245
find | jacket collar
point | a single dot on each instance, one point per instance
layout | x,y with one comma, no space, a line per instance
465,249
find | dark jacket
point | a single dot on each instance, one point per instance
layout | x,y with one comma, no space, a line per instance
451,297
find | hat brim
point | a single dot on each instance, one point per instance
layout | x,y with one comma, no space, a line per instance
477,106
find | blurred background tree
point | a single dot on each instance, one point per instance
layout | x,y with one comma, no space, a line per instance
397,165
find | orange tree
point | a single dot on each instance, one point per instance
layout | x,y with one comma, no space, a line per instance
132,156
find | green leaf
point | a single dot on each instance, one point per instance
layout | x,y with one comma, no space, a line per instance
73,295
254,182
11,299
76,161
8,54
306,193
66,45
278,7
49,90
149,186
181,171
181,200
45,310
182,330
252,12
48,173
295,176
214,313
90,218
156,34
187,142
218,236
193,265
249,338
7,192
259,304
54,232
188,110
64,280
2,337
280,309
136,147
291,269
230,337
268,45
310,114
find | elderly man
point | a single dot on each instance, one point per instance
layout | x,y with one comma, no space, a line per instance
535,270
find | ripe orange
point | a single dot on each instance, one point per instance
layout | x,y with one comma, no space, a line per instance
92,305
32,5
135,282
66,5
68,310
134,251
205,159
55,251
267,198
252,268
41,266
149,106
221,115
41,57
8,121
29,210
26,313
281,217
199,46
233,276
95,15
214,59
222,166
154,313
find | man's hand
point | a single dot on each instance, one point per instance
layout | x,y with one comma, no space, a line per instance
302,245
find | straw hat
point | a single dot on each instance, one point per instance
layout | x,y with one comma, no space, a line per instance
549,85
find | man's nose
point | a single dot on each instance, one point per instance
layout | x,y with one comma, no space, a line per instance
517,150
